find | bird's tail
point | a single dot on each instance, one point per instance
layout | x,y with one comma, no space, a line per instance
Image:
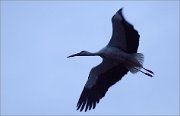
139,59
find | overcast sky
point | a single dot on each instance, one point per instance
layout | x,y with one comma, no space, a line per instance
38,79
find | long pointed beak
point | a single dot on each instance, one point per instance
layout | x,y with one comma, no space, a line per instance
73,55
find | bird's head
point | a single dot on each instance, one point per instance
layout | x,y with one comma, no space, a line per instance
82,53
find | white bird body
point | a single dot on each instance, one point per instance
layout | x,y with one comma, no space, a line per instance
119,57
113,53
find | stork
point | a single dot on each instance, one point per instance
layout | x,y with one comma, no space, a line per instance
119,57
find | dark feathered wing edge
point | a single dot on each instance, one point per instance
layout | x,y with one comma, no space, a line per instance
91,96
124,31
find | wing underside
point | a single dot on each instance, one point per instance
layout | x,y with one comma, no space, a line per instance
91,96
124,36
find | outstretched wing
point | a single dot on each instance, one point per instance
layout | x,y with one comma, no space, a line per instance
99,81
124,36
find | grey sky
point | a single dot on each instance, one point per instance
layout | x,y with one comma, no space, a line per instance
36,38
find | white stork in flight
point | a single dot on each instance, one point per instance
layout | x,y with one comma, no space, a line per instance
119,56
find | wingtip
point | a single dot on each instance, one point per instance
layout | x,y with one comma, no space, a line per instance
121,9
